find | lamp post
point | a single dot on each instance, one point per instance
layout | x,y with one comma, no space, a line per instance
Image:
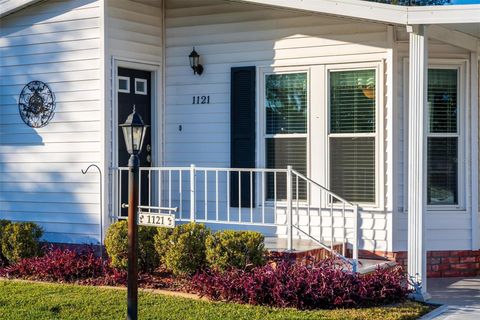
134,133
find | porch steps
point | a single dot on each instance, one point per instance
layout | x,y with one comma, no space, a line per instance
306,248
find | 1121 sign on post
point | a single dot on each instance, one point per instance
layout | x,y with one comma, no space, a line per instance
156,220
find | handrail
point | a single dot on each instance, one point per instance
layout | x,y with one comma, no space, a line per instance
322,187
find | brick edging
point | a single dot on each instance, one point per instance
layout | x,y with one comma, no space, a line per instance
440,264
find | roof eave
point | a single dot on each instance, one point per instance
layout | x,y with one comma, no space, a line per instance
15,5
347,8
379,12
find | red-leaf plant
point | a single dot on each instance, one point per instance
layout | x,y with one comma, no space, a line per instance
324,284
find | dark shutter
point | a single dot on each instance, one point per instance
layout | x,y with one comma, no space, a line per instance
242,142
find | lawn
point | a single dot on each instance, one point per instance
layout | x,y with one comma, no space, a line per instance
22,300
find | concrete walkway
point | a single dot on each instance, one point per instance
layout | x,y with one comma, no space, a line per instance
460,295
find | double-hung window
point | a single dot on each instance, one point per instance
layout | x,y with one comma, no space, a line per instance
353,134
443,137
286,128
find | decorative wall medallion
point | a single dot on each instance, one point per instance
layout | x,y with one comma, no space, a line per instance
36,104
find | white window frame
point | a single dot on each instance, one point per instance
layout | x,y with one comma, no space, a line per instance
119,78
379,127
261,157
145,85
462,65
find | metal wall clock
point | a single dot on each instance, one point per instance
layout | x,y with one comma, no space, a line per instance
36,104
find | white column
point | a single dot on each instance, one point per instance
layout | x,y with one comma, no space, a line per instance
417,153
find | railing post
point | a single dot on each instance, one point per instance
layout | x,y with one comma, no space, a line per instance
193,200
289,209
356,234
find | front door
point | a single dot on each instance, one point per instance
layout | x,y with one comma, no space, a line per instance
134,89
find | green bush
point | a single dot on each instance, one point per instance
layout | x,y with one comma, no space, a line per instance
162,242
116,244
235,249
3,224
182,250
21,240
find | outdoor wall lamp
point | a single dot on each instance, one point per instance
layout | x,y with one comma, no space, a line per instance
195,62
134,133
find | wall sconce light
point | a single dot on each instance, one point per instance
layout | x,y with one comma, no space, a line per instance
195,62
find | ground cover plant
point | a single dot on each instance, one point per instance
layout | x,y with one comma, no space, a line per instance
81,267
315,285
22,300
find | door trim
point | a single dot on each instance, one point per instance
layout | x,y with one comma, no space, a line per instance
156,106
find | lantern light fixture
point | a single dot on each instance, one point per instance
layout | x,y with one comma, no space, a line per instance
195,62
134,130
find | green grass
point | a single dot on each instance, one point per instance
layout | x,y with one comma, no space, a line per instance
22,300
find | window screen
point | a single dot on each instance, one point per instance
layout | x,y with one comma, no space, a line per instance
286,112
352,135
442,158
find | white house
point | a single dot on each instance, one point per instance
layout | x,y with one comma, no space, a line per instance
375,104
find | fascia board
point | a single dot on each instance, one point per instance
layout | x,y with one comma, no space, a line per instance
444,14
347,8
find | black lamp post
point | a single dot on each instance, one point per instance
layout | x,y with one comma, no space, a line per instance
134,132
195,62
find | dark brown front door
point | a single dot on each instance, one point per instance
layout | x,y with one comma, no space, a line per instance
135,90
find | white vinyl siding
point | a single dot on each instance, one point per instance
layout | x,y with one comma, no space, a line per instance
58,42
229,34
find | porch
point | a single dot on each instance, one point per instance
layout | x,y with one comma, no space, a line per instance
295,213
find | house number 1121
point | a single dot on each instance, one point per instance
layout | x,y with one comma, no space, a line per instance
201,100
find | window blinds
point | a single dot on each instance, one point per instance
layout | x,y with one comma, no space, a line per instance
442,100
442,159
286,129
286,103
352,145
352,101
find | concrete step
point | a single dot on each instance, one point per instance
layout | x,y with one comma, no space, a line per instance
370,265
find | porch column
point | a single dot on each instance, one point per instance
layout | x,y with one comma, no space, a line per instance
417,152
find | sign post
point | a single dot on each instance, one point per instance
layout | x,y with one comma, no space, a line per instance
134,133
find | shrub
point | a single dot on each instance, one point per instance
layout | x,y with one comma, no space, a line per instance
237,249
21,240
182,250
116,244
162,242
322,285
3,224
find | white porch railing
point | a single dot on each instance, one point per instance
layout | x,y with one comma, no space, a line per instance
280,201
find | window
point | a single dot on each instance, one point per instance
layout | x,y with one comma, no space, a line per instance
352,134
286,129
123,84
141,86
443,137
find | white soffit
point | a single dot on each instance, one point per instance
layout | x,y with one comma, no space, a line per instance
10,6
380,12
